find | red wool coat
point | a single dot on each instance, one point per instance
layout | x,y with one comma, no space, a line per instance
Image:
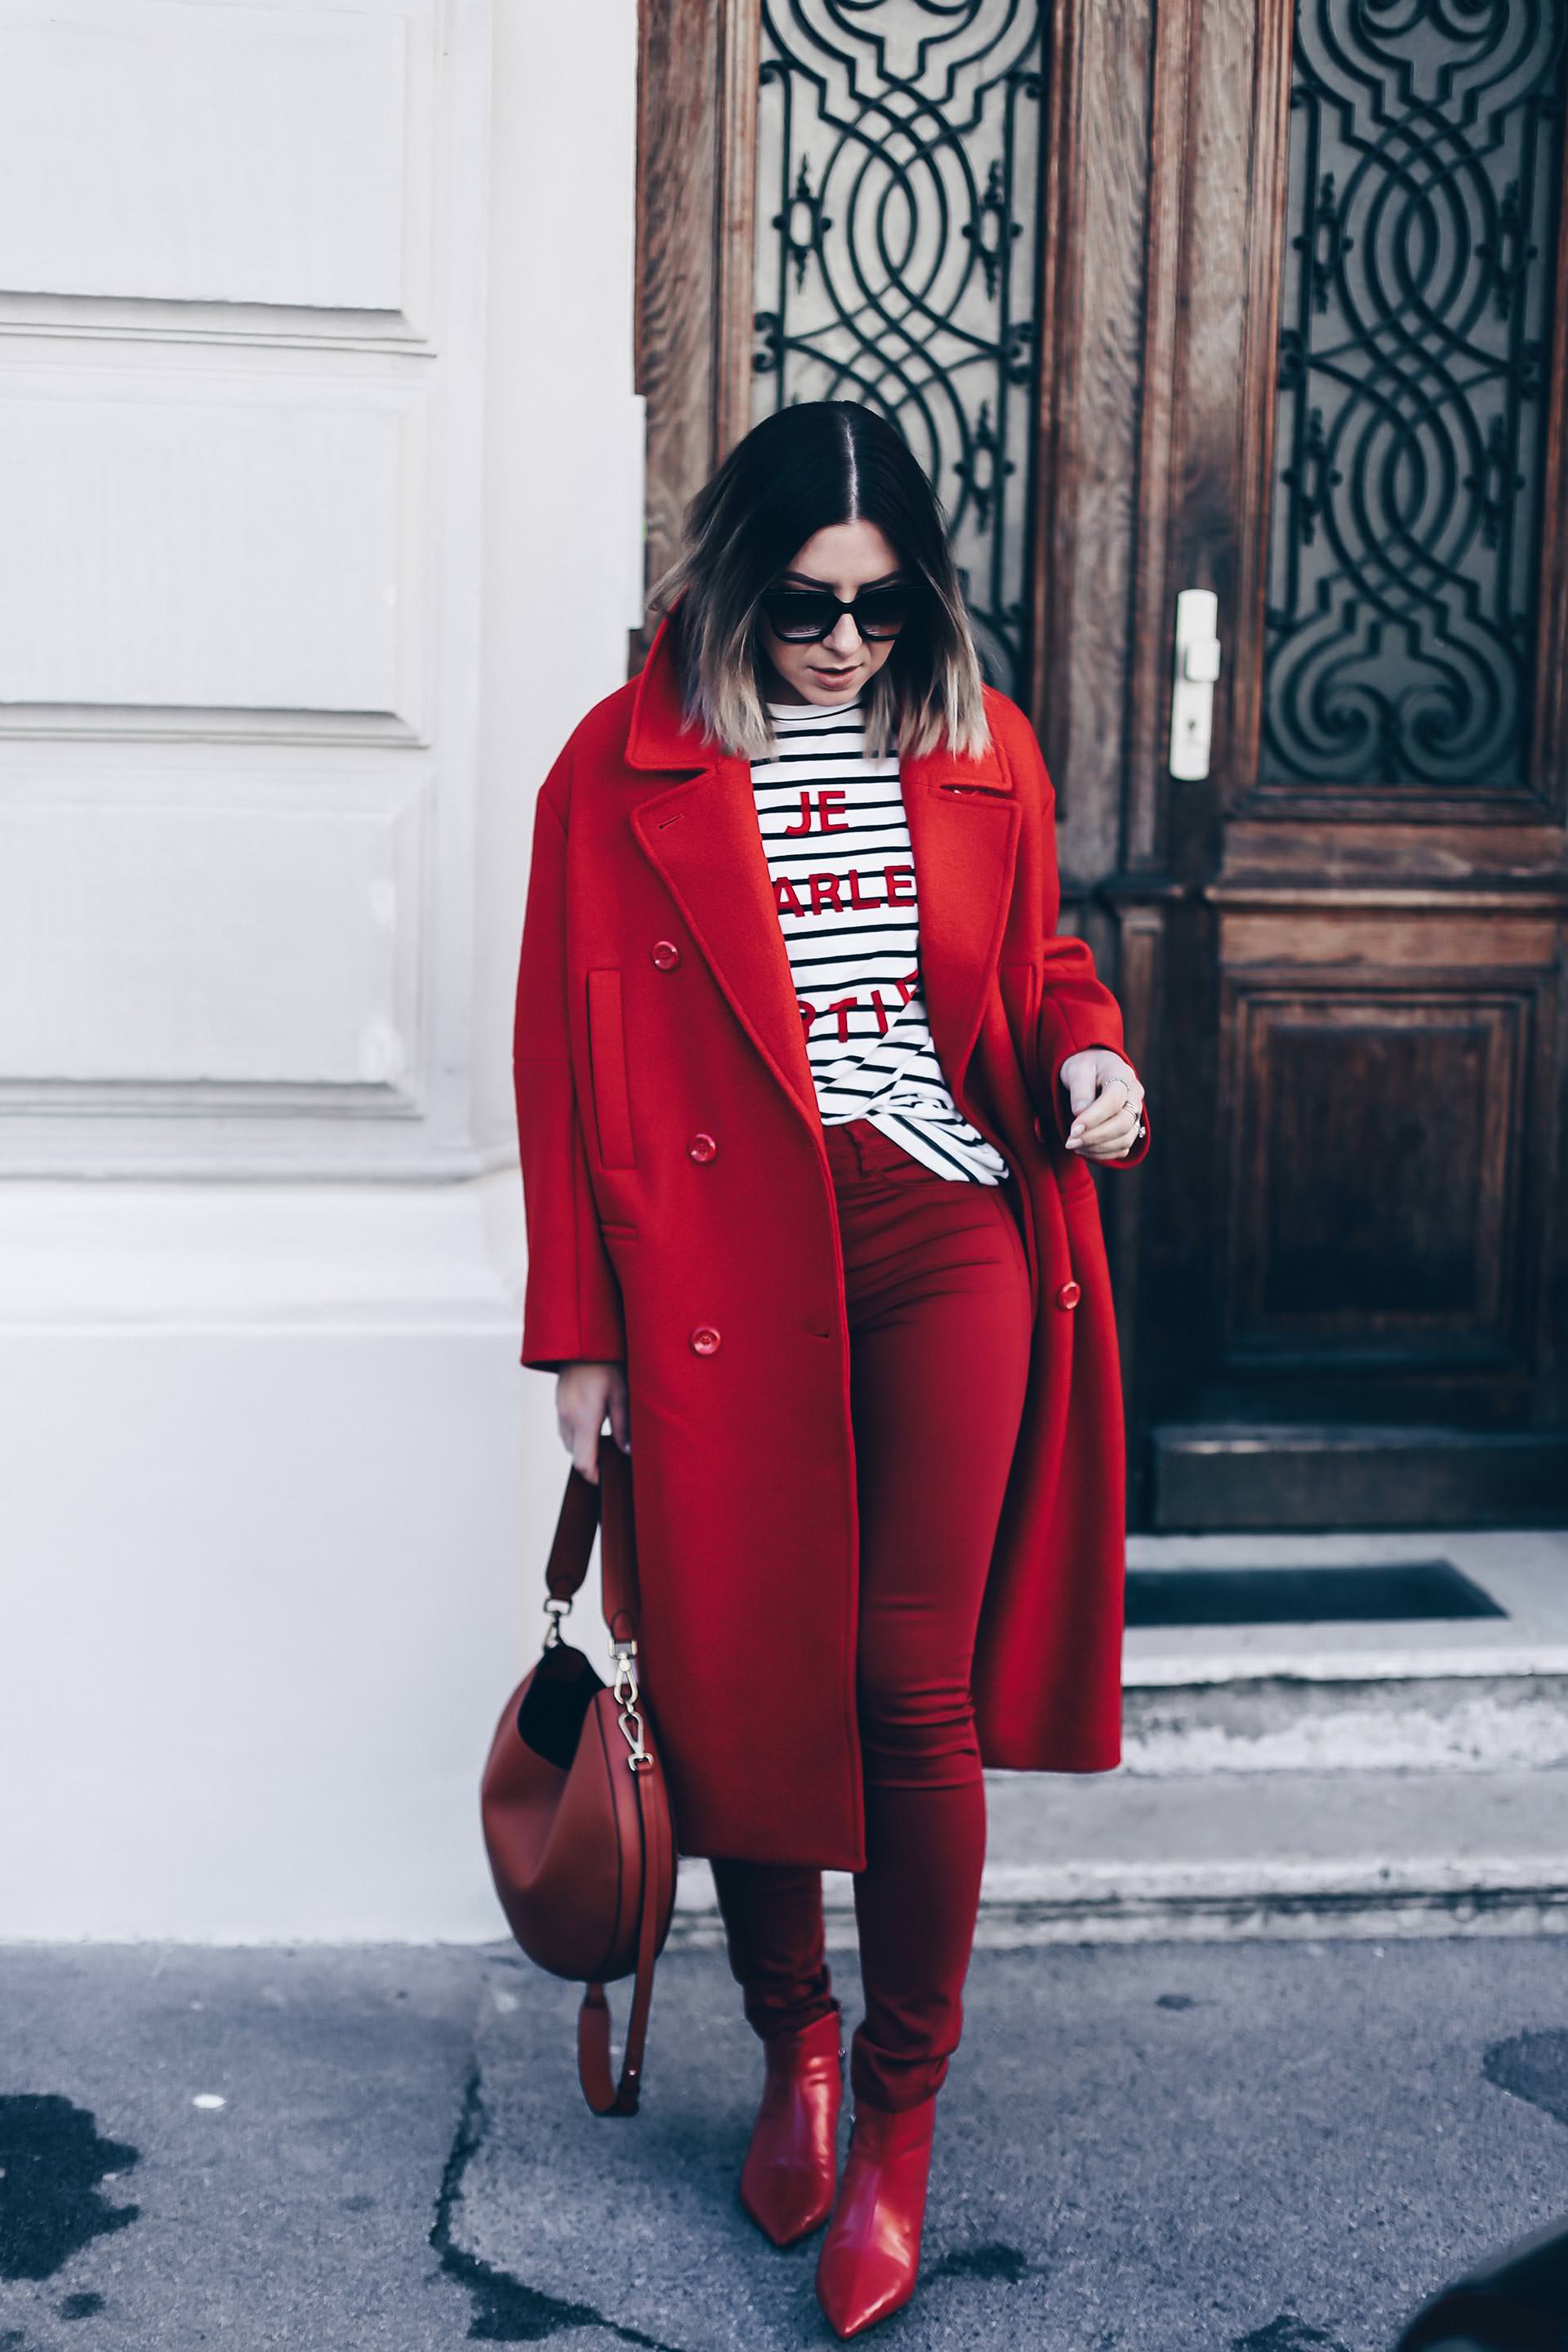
656,1012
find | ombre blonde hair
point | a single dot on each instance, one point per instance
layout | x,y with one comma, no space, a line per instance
802,470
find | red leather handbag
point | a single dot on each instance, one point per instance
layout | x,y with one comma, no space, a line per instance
575,1804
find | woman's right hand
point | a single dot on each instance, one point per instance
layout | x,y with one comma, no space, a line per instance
584,1393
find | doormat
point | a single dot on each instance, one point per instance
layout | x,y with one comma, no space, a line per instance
1383,1592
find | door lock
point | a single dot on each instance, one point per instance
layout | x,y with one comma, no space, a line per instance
1197,666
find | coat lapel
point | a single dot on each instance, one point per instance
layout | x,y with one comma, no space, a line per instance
963,817
704,839
701,836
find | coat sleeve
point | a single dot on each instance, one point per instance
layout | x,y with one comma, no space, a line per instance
572,1306
1077,1012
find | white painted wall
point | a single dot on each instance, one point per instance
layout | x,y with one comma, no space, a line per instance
320,462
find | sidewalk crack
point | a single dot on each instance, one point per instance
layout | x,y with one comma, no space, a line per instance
506,2310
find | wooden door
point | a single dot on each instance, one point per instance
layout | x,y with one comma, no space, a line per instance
1351,1287
1267,300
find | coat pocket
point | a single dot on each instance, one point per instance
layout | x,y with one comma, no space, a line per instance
607,1068
1021,996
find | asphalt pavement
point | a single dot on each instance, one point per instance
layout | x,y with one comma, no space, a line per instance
1241,2147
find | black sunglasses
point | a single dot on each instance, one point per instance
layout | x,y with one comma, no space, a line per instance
803,616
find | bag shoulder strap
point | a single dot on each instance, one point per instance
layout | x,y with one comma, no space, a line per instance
603,2095
582,1508
608,1507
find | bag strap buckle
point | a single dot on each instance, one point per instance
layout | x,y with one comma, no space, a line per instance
626,1694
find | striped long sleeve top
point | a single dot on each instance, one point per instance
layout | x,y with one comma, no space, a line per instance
839,851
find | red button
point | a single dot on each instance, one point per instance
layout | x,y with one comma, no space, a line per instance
702,1146
666,954
705,1339
1069,1294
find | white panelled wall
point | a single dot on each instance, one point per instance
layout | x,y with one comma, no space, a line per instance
319,465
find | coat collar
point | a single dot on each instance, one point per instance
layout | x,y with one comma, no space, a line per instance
701,836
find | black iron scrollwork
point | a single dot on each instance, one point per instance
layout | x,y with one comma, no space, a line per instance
897,215
1405,531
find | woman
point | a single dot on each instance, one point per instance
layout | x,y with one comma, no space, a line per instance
806,1087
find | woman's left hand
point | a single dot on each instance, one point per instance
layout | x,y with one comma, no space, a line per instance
1107,1104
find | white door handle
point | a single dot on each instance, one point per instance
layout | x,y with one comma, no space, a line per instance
1192,697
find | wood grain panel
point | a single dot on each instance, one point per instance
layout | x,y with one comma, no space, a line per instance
697,71
1160,450
1357,936
1094,163
1378,1163
1550,729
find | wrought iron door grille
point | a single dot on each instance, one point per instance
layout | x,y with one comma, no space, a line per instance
898,229
1406,524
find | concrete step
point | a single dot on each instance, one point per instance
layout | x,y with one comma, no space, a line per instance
1113,1859
1251,1474
1339,1721
1481,1693
1358,1779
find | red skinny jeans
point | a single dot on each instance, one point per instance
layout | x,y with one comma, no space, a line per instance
938,1294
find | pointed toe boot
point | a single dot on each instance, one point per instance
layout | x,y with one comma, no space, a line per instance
786,2182
870,2257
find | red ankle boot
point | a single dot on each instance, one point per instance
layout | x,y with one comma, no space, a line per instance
786,2182
870,2257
